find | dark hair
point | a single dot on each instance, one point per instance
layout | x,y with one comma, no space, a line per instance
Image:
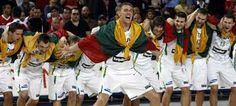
16,12
16,25
44,38
77,9
54,8
181,15
203,11
157,21
4,5
229,14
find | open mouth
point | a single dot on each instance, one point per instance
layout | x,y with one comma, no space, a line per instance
128,17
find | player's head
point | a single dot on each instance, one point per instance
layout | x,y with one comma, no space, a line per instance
201,17
16,31
228,21
180,20
126,13
43,43
73,39
157,26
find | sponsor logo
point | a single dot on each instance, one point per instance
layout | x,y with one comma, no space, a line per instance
74,87
9,87
147,86
169,83
213,81
118,59
62,94
24,86
37,95
185,82
204,85
108,90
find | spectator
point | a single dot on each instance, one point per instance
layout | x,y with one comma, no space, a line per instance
54,13
77,25
65,16
47,9
6,16
102,20
137,18
26,6
16,14
85,13
37,23
181,7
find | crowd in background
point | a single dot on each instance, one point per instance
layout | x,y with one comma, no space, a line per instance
50,15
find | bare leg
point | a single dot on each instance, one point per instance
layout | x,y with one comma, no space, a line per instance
232,96
22,98
185,96
32,102
71,98
8,99
199,99
153,97
214,95
128,102
102,100
79,100
167,96
57,103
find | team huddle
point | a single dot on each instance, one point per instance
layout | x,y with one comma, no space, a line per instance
145,60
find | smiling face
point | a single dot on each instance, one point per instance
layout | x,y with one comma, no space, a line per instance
179,23
126,14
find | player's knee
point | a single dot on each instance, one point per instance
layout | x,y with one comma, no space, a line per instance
169,90
185,91
23,95
153,96
80,97
72,94
214,89
7,95
233,90
103,98
34,101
